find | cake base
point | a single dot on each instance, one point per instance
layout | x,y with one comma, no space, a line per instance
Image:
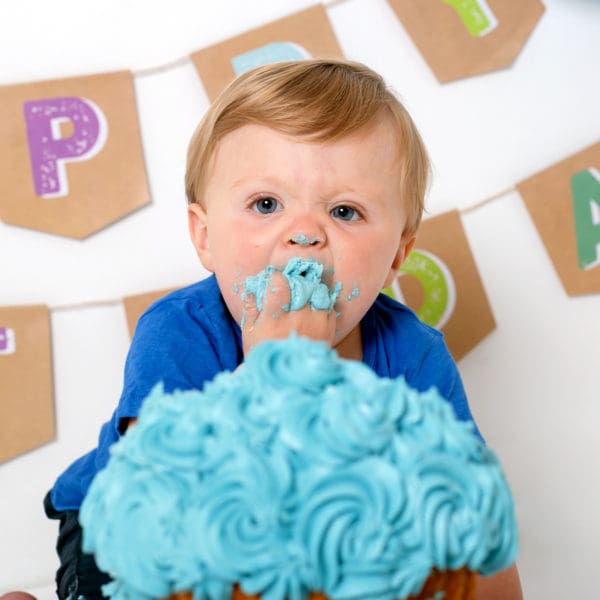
455,585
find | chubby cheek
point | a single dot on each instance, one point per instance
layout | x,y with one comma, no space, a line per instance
356,296
234,304
232,289
231,274
359,290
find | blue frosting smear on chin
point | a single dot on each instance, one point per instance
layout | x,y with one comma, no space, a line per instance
306,287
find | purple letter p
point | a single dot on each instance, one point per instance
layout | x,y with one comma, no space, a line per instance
49,151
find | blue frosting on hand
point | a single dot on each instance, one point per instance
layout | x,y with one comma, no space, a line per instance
306,287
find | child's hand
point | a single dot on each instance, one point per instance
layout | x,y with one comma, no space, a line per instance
273,322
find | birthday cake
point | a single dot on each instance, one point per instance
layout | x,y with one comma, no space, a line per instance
300,474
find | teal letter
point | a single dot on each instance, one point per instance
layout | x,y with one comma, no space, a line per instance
271,53
476,15
585,192
438,285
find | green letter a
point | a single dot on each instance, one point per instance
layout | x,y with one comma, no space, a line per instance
585,192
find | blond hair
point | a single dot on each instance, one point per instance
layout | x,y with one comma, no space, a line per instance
321,100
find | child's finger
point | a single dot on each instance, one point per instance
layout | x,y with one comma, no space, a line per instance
250,312
277,296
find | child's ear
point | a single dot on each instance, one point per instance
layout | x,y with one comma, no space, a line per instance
198,226
406,245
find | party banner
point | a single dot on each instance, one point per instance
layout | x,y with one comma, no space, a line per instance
440,282
71,154
564,203
461,38
26,386
136,305
306,34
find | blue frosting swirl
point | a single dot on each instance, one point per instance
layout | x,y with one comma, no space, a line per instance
298,472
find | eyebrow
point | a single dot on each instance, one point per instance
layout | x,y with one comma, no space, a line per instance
256,180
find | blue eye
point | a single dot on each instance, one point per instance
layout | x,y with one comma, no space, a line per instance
266,205
345,213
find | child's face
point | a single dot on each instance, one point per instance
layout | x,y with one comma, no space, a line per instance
270,197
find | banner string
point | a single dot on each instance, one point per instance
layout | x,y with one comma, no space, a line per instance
88,304
331,3
184,60
487,200
119,301
178,62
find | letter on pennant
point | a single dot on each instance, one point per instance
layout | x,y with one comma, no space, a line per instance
437,283
440,282
7,340
476,15
585,190
564,204
49,150
270,53
301,35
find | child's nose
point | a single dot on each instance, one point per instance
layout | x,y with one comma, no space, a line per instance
311,240
305,229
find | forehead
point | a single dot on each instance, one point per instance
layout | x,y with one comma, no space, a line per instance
376,146
364,166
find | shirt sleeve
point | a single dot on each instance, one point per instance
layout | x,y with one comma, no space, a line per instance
181,341
176,344
439,369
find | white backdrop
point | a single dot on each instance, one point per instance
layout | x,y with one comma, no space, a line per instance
533,383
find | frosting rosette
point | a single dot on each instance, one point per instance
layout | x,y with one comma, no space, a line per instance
138,505
354,523
238,511
351,420
241,522
299,471
273,366
187,435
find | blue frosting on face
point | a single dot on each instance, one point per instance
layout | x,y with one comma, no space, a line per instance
303,240
306,287
298,472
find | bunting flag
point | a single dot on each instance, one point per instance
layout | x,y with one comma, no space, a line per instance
64,145
26,385
564,203
306,34
440,282
137,304
72,164
461,38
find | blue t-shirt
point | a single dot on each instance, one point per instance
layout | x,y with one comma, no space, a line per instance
189,336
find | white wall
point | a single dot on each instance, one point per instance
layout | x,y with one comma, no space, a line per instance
533,383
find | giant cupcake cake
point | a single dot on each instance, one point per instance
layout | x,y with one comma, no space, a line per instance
299,473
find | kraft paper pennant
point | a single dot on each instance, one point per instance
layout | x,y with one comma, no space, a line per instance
440,282
136,305
71,154
461,38
306,34
26,385
564,203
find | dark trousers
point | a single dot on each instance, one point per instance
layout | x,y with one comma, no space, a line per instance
78,574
